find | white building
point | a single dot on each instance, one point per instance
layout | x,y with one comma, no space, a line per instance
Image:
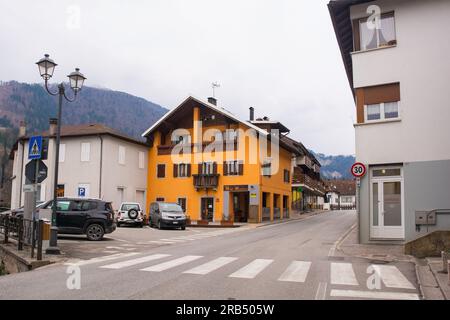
398,71
95,161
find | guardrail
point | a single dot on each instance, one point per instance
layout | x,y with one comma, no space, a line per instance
24,232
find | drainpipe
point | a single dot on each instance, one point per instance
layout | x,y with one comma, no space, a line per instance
101,168
21,172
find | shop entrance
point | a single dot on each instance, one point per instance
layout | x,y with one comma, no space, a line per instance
240,206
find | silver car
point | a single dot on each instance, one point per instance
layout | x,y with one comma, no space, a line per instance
130,213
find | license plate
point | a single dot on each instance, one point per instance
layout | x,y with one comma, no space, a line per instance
175,222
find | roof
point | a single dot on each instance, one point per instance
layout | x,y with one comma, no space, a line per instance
213,107
273,124
92,129
340,16
343,187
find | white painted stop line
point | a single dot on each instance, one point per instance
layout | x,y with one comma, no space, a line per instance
343,274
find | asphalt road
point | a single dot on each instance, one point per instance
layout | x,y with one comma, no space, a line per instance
293,260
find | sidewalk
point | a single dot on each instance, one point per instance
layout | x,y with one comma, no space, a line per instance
433,284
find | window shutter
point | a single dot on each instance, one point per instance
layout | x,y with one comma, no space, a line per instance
175,170
225,168
200,165
214,167
241,168
188,170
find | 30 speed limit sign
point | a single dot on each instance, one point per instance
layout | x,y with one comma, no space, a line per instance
358,170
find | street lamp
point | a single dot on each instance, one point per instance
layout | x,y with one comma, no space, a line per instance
76,80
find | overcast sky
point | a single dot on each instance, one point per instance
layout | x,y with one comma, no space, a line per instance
279,56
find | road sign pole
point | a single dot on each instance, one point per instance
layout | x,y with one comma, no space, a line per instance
53,244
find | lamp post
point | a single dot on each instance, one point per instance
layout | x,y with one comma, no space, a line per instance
76,79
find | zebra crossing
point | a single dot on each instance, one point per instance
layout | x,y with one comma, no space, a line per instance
341,273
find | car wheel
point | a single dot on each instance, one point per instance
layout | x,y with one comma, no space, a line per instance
183,228
141,225
95,232
118,224
159,224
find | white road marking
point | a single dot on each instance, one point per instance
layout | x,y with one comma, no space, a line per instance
332,251
374,295
252,269
211,265
171,264
321,291
171,240
129,263
102,259
110,251
297,271
161,242
117,248
343,274
392,277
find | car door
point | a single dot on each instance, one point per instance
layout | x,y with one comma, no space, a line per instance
62,214
75,217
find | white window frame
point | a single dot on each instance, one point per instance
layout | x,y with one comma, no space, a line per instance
377,31
141,157
122,155
85,154
62,152
208,167
382,113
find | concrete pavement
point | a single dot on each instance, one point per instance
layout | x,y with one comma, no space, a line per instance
293,260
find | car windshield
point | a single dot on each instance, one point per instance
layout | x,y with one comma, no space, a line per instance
170,207
129,206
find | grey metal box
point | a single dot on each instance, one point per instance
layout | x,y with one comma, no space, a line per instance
421,218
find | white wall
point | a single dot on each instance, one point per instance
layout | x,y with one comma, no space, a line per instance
420,62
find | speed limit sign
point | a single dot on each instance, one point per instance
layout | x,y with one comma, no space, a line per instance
358,170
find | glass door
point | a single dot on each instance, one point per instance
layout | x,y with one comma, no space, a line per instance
207,208
387,213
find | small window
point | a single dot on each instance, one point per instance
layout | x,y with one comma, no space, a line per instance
62,152
160,199
161,170
141,160
182,203
286,176
382,111
85,151
234,168
381,36
181,170
207,168
386,172
373,112
266,168
122,155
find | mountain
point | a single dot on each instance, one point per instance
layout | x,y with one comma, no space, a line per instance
335,167
121,111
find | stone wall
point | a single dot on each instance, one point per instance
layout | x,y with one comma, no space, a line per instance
430,245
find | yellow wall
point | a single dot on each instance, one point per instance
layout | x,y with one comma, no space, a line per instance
171,188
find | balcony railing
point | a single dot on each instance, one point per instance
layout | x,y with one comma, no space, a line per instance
206,181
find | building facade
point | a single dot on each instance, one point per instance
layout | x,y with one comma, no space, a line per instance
207,160
94,162
396,58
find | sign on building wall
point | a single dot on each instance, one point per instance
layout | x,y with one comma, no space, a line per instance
83,191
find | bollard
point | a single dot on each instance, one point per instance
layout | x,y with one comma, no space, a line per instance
40,232
6,229
445,258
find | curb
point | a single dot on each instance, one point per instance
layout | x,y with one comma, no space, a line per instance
291,219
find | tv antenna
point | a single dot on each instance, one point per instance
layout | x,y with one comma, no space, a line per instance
215,85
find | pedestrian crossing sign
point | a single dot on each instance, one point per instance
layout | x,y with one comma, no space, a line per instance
35,148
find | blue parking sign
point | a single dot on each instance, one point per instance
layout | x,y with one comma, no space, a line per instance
35,148
81,191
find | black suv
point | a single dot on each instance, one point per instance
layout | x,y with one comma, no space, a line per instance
91,217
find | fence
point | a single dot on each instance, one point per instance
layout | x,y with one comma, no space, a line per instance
24,232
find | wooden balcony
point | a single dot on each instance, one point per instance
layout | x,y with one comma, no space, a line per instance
206,181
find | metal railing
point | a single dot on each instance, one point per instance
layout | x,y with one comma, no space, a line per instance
343,207
265,214
24,232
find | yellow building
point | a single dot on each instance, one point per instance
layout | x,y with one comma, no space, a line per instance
217,167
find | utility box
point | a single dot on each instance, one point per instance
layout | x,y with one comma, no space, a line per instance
425,218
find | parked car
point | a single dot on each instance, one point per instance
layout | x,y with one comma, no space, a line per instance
165,214
19,211
130,213
91,217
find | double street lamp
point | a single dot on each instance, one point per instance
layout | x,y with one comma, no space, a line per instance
76,79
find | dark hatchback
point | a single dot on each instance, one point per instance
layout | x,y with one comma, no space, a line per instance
91,217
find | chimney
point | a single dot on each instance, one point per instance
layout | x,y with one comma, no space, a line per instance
212,100
252,113
22,129
52,128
